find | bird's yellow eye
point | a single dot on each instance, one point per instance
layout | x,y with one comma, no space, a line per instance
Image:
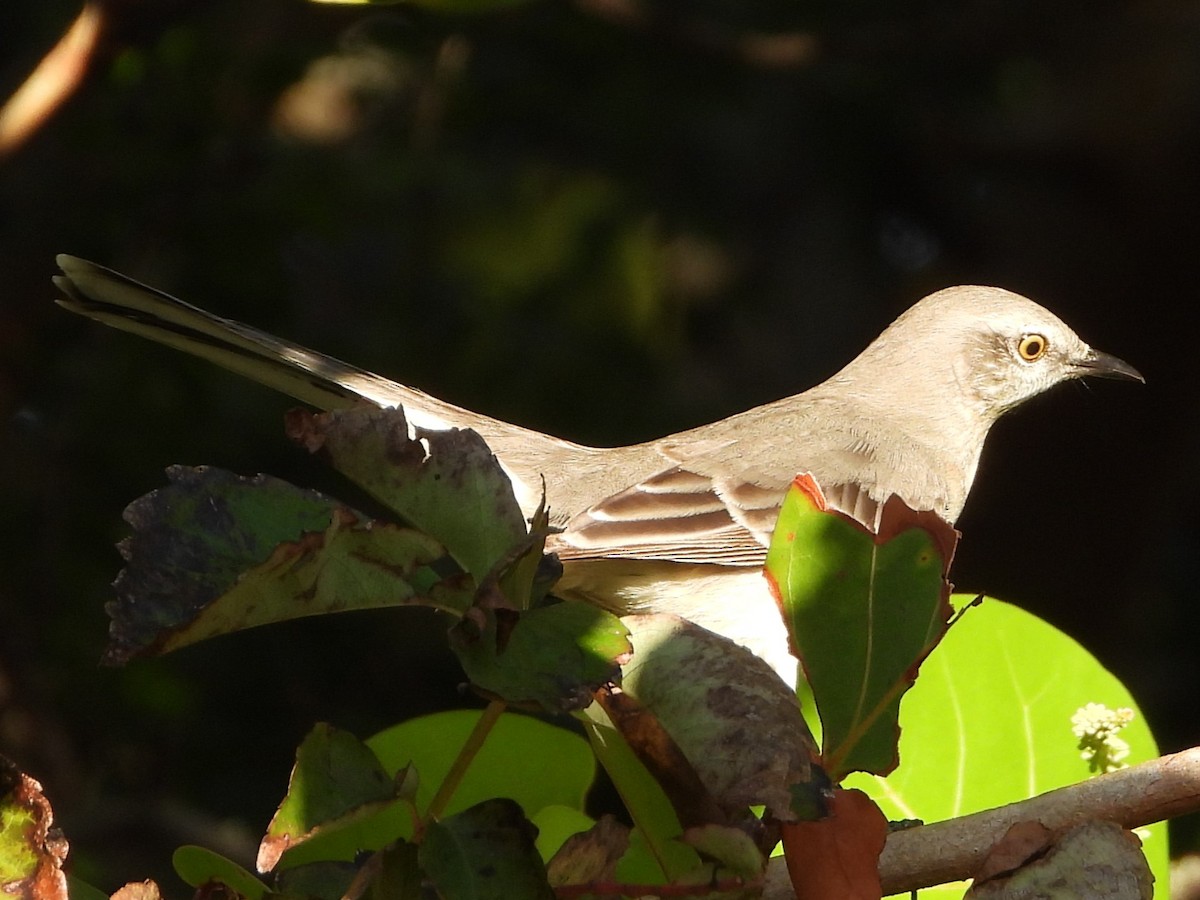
1032,346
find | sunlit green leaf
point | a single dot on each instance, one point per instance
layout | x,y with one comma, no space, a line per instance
989,721
656,853
32,850
557,823
863,610
337,788
448,484
532,762
18,856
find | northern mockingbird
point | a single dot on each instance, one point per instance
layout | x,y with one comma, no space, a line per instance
681,524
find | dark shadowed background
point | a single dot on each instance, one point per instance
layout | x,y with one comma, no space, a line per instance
606,219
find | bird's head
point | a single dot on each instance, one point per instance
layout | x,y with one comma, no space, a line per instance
996,348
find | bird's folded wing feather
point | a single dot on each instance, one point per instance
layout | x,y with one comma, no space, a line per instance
682,515
677,515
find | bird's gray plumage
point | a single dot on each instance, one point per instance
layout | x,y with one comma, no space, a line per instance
907,416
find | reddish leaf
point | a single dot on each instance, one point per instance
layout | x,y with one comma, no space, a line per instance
837,857
1021,843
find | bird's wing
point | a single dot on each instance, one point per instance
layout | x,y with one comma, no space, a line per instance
677,515
690,514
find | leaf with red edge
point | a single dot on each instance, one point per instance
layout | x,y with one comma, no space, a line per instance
337,792
838,855
32,849
863,610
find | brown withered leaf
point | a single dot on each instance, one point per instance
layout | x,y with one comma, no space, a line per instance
837,856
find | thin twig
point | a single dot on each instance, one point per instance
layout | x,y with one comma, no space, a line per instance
952,850
52,82
466,756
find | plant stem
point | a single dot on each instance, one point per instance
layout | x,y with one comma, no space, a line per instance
466,756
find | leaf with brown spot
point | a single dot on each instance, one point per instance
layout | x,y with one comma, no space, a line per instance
1094,859
590,856
734,719
659,753
1020,844
212,553
656,852
138,890
448,483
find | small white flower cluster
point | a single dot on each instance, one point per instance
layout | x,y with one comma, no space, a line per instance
1096,726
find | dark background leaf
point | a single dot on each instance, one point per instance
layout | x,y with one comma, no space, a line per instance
554,656
485,853
213,553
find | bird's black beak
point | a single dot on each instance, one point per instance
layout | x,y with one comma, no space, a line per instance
1106,365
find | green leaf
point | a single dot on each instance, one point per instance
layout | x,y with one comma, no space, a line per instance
18,852
989,722
81,890
656,854
557,823
486,852
199,866
447,484
337,787
532,762
318,880
214,552
554,656
652,860
863,610
731,847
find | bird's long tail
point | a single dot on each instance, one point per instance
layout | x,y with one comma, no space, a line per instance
314,378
